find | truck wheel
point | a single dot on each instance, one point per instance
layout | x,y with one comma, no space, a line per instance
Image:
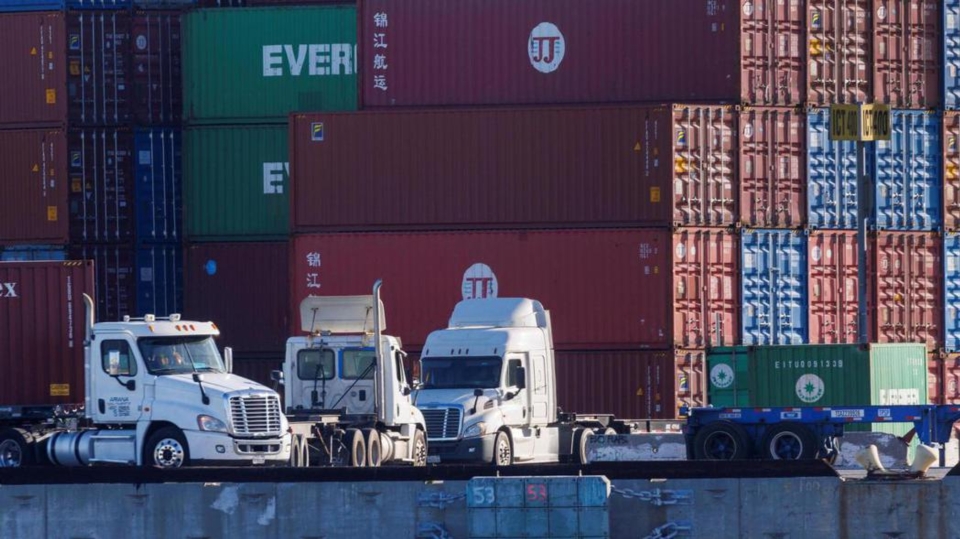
788,441
580,443
166,448
722,440
16,448
502,450
419,448
358,448
374,456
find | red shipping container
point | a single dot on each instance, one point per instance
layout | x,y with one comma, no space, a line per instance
950,379
157,81
906,296
906,53
101,185
491,52
706,287
773,164
514,168
42,331
608,288
33,208
244,289
840,51
256,367
33,55
115,278
629,384
935,376
832,287
951,171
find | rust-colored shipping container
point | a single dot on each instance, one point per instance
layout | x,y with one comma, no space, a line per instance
906,295
907,58
637,384
608,288
832,289
244,289
950,379
42,331
840,51
706,287
33,55
773,165
951,170
33,208
514,168
493,52
935,376
256,367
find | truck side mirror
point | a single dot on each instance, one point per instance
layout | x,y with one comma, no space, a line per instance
521,378
131,385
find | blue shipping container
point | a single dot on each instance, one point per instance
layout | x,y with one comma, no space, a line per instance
32,253
951,296
774,286
158,172
11,6
159,279
907,171
951,54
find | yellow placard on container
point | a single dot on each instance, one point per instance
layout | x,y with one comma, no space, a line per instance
59,390
875,123
865,123
654,194
51,96
844,122
51,213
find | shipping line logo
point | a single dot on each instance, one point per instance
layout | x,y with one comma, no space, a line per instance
479,282
546,47
721,376
810,388
274,176
8,290
312,59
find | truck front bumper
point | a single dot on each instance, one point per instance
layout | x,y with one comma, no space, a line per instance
215,447
475,449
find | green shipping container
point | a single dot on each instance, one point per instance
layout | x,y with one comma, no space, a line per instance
251,65
236,182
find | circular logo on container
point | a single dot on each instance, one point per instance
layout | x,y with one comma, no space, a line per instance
816,254
546,47
479,282
721,375
809,388
748,8
882,12
211,267
141,42
681,250
748,130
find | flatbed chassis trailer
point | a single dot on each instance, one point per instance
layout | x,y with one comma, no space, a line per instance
806,432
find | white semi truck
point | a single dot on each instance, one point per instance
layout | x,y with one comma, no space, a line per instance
488,389
157,393
346,390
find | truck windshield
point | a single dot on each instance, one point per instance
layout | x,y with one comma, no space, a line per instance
460,372
177,355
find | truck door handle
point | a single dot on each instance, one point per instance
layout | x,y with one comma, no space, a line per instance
102,406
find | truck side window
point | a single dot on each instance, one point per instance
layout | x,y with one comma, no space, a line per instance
398,359
117,352
357,364
513,366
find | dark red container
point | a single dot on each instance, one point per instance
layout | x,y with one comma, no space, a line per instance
491,52
640,384
907,53
115,278
157,82
950,379
244,289
33,50
514,168
101,185
98,67
951,170
256,367
42,331
706,287
603,287
832,287
840,51
773,165
936,371
33,208
906,269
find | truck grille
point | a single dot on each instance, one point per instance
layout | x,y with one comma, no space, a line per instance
442,423
255,415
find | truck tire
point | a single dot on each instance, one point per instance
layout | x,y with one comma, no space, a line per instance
374,455
788,441
722,440
166,448
580,444
358,448
419,448
502,450
16,448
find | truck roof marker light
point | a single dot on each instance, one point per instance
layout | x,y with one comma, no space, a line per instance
149,318
175,317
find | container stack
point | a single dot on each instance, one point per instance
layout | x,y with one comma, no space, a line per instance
945,368
89,144
245,70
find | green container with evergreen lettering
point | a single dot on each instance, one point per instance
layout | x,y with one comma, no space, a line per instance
236,183
250,65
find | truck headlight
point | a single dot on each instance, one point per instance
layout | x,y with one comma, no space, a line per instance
211,424
477,429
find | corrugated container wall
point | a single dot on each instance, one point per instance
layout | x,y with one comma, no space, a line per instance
626,272
831,176
935,377
157,169
951,379
774,286
629,384
906,53
821,375
243,288
840,51
159,279
33,48
951,54
41,319
833,293
236,183
34,207
951,291
772,167
951,170
706,287
57,5
514,168
424,53
906,296
259,64
32,253
101,185
157,75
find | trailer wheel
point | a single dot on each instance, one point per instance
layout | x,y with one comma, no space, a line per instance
166,448
789,441
419,448
358,448
374,455
722,440
580,444
299,452
502,450
16,448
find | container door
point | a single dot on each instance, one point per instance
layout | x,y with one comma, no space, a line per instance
113,366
